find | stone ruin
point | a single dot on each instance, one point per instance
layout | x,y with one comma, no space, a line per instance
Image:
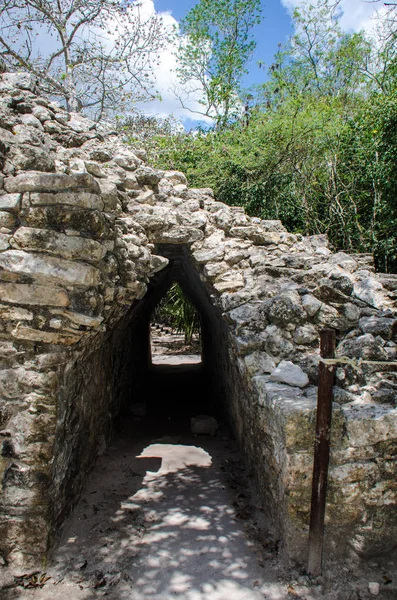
91,237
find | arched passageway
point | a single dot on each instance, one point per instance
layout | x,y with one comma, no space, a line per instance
118,381
165,512
184,390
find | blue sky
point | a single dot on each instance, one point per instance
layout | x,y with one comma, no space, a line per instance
276,27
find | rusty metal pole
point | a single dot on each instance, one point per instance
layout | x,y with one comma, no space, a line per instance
326,376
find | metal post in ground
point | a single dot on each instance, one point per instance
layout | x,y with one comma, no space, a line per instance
326,376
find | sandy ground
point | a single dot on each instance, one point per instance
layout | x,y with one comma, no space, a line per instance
169,348
172,517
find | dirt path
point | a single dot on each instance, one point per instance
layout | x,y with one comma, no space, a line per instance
157,522
172,518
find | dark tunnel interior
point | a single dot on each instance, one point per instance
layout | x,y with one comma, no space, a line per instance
172,392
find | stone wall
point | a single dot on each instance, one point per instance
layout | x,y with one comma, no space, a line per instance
90,236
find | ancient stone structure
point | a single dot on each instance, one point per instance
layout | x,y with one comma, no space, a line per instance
90,238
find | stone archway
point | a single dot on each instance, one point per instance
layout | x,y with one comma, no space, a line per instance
88,240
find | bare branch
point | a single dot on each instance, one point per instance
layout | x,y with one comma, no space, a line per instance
103,55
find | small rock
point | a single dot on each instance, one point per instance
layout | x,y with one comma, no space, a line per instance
203,425
374,588
139,409
287,372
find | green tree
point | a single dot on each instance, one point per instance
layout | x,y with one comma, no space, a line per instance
175,310
319,59
215,47
319,151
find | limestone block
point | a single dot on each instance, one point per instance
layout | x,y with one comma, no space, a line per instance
49,269
250,314
351,312
130,182
21,80
11,202
213,241
157,263
188,219
52,127
177,235
78,123
148,176
328,316
215,269
50,182
30,238
229,282
77,165
73,199
28,157
32,121
286,308
146,197
175,177
307,334
31,294
6,136
79,318
35,335
94,168
126,159
328,293
155,217
235,255
369,290
214,254
91,222
223,216
4,241
278,396
7,220
99,153
365,346
203,425
11,383
62,117
272,225
258,363
344,260
42,113
192,205
382,326
255,234
369,424
291,374
13,313
109,194
180,190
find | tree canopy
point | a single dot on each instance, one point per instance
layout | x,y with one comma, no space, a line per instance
319,149
216,45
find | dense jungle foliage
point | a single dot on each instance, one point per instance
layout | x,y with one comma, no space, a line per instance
316,144
176,311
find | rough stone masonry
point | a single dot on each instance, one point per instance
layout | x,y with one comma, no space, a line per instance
90,236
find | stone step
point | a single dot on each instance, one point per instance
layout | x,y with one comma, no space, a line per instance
364,260
388,280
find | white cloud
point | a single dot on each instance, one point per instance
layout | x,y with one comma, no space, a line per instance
357,14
